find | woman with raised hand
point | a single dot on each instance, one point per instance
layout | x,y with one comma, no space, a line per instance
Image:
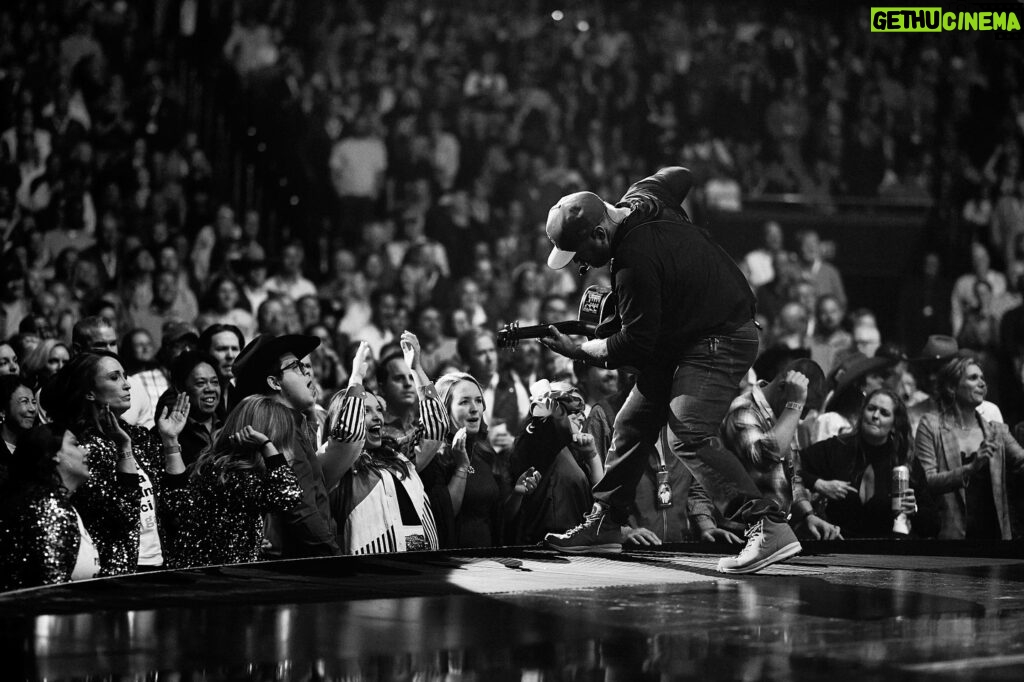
967,459
129,464
245,475
381,504
470,484
43,538
195,374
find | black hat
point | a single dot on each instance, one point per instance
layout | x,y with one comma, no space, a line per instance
852,370
260,358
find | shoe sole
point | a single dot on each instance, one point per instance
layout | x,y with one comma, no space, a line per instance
589,549
787,552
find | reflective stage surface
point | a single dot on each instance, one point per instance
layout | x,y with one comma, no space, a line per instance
901,611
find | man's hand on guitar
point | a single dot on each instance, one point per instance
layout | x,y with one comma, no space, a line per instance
561,344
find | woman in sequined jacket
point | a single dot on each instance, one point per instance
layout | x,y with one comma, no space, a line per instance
89,394
42,539
244,476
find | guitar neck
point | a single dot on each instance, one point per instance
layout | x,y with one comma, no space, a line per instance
539,331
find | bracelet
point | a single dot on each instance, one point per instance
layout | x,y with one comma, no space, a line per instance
266,443
126,454
468,469
799,407
172,448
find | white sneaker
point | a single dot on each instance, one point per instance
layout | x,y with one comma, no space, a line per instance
768,542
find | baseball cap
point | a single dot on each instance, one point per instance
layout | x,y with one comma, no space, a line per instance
569,223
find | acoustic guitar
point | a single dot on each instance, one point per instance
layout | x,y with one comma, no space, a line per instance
597,309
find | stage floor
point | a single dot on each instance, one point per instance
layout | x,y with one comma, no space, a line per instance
877,611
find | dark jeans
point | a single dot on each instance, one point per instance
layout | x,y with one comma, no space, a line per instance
691,400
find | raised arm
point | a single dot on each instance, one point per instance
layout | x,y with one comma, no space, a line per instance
348,434
433,423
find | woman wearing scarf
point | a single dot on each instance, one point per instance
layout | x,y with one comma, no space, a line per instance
380,504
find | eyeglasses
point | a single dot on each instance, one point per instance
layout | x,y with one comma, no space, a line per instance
298,366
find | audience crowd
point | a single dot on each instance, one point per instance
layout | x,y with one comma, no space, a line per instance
180,387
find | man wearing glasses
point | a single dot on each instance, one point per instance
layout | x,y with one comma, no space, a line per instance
279,367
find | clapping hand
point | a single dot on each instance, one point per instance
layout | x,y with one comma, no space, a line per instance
172,421
459,447
528,481
110,427
410,350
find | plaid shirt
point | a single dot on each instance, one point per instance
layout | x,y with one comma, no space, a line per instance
747,432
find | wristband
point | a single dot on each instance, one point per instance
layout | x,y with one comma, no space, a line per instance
266,443
172,448
468,469
799,407
125,454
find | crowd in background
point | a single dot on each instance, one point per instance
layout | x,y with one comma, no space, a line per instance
426,142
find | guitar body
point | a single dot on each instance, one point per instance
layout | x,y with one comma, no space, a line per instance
597,317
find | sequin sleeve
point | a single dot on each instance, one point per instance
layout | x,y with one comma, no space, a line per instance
56,538
433,424
280,489
277,489
40,542
109,505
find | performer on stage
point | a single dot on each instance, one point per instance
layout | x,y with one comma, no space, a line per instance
687,325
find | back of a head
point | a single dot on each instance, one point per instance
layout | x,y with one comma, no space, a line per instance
264,414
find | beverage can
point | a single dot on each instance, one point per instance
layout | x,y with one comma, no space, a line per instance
900,485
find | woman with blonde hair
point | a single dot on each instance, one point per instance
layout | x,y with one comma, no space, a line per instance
966,458
43,361
242,477
470,485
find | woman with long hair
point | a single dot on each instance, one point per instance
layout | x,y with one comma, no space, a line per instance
470,484
45,360
967,458
851,474
245,475
18,414
43,538
89,395
381,504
